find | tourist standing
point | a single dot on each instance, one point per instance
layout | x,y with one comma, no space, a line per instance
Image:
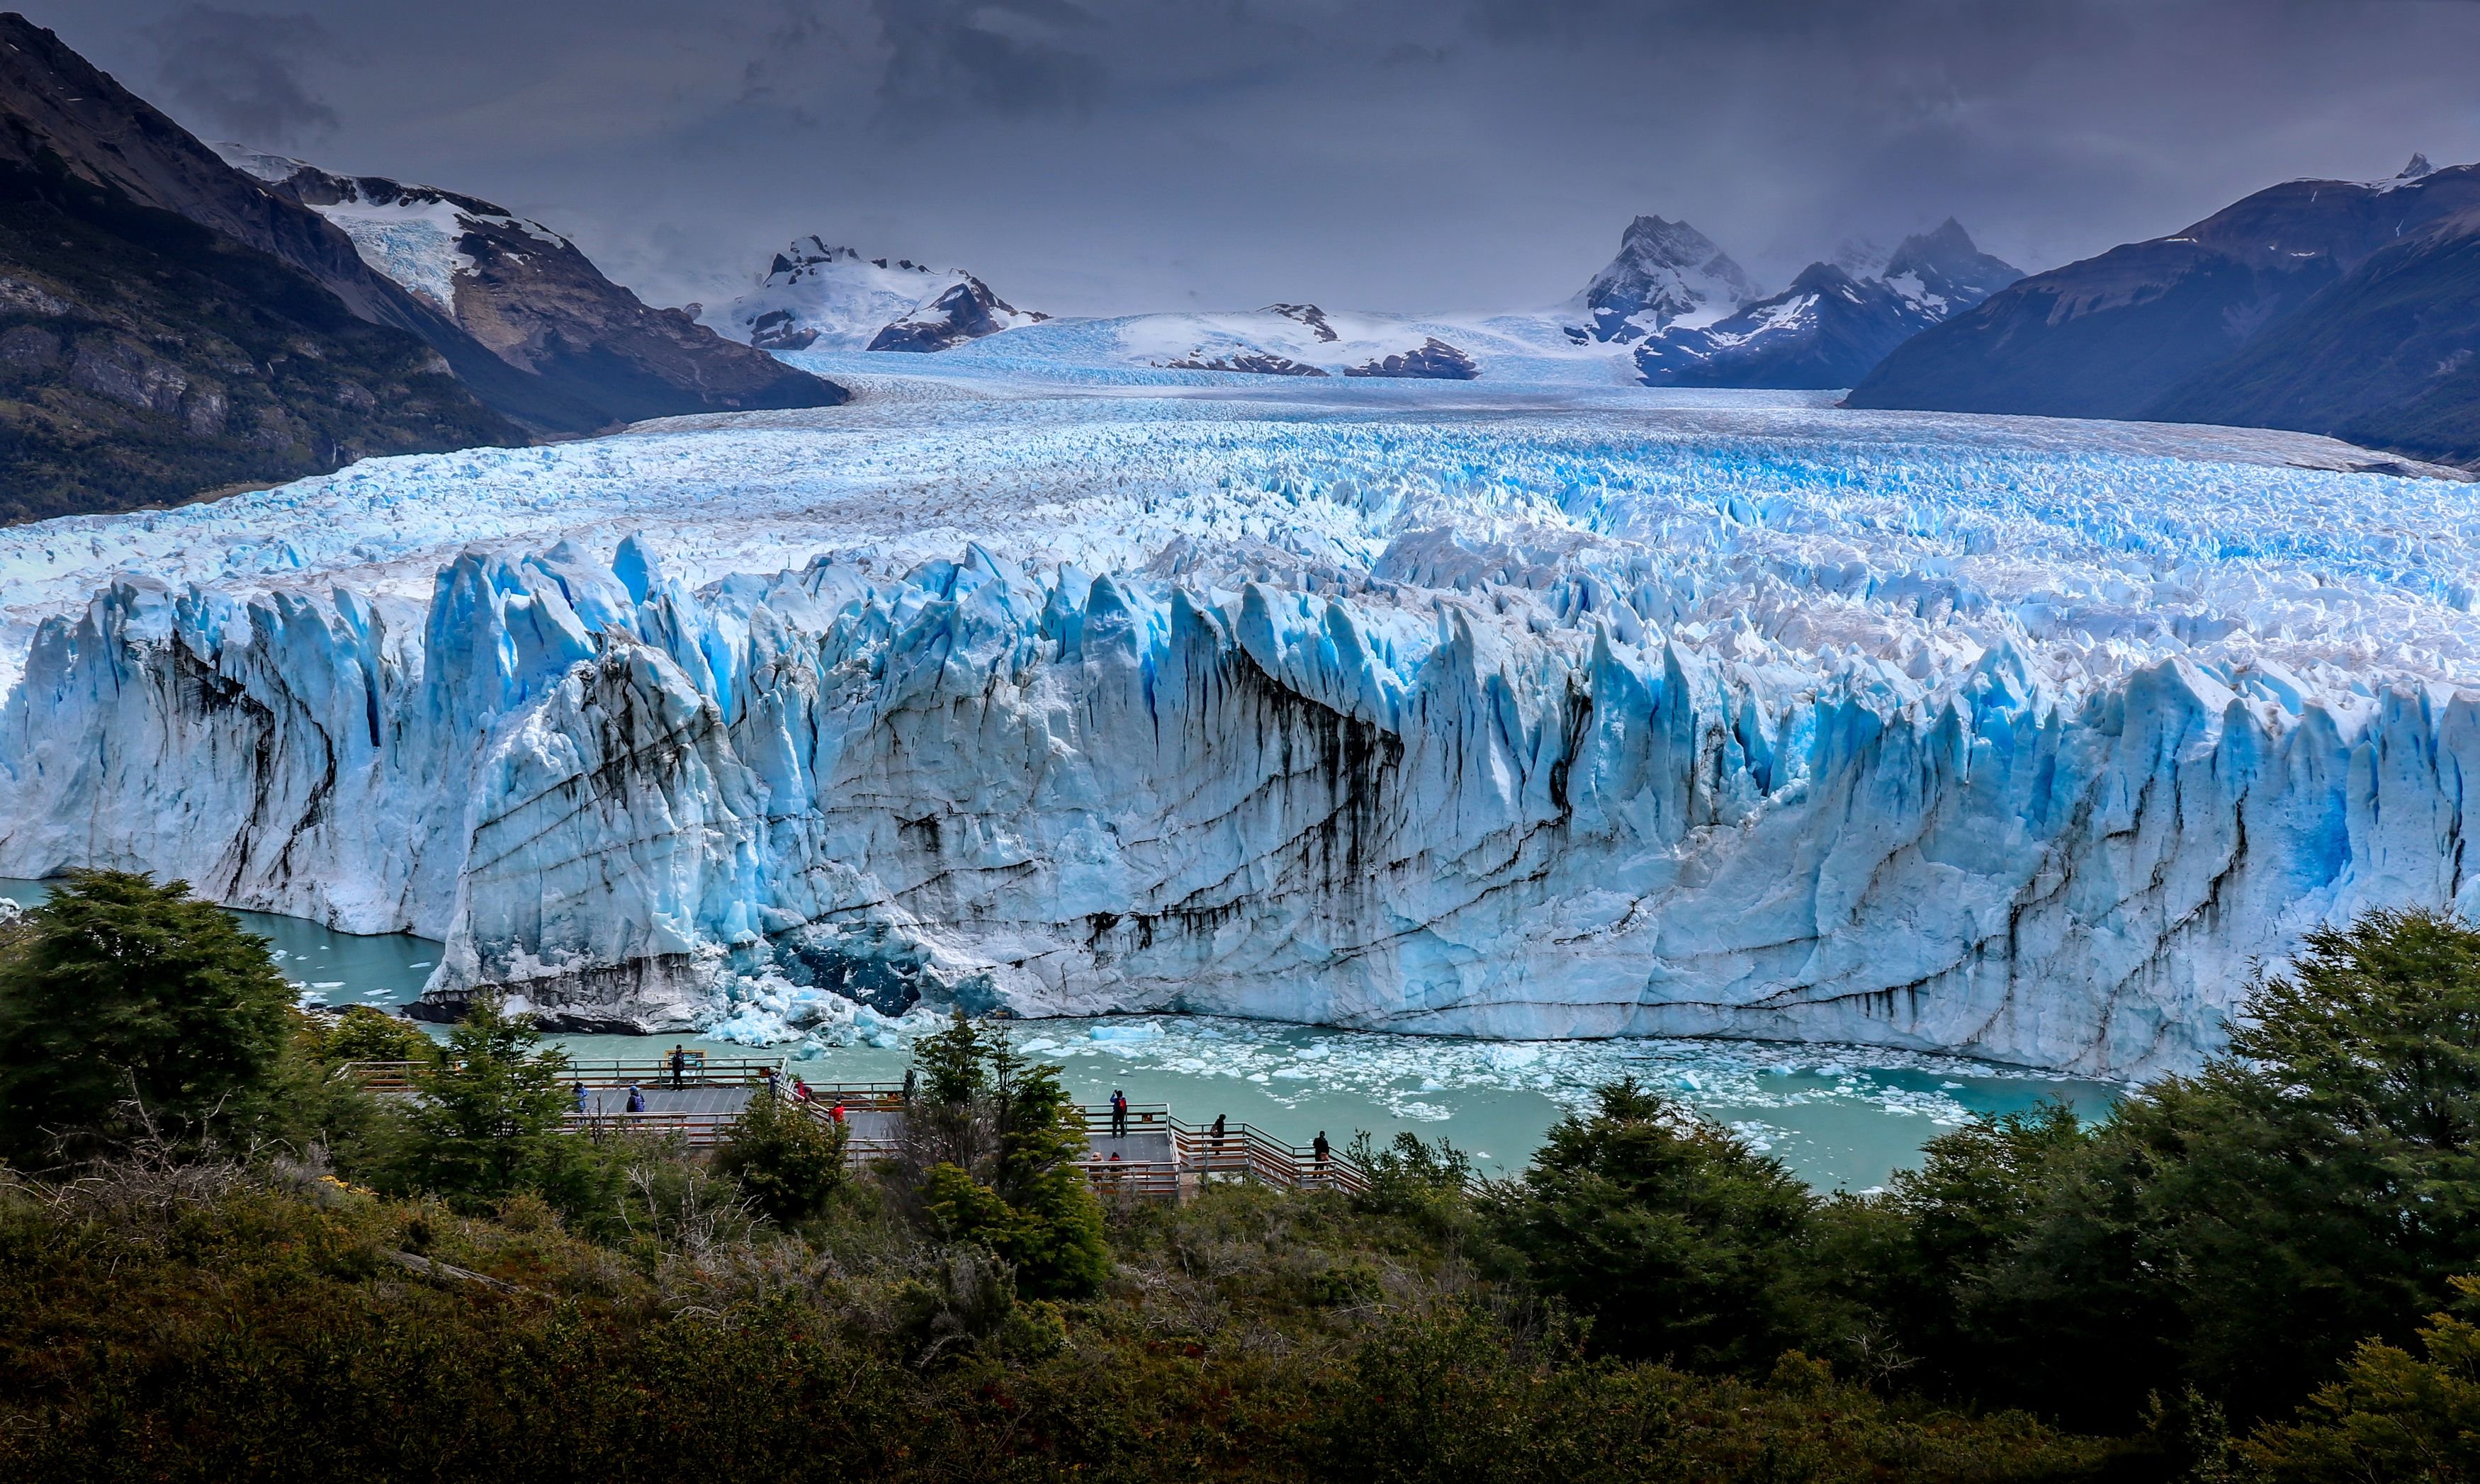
680,1065
637,1099
1118,1113
1318,1147
1216,1149
772,1090
912,1084
580,1099
836,1114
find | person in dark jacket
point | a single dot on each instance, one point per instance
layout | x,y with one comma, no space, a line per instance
1318,1146
637,1099
1119,1114
680,1065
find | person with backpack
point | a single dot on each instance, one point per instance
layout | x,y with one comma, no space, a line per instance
637,1099
1318,1148
1118,1113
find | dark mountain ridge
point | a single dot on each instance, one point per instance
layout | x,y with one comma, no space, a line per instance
148,362
2162,328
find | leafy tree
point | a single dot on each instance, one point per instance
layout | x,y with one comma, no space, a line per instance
122,996
362,1033
1003,1147
787,1160
2242,1230
488,1115
1677,1238
1918,1254
2392,1415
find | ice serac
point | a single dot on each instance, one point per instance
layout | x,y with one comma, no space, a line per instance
1436,770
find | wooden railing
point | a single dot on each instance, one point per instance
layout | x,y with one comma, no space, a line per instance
1244,1151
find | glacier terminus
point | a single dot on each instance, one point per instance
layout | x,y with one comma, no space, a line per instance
1527,706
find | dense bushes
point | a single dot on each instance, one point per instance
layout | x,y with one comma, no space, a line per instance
2257,1270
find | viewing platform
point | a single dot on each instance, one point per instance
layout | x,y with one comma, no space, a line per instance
1159,1156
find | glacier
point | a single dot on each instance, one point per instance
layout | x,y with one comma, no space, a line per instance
1501,709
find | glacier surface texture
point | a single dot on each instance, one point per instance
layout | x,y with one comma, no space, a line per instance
1495,709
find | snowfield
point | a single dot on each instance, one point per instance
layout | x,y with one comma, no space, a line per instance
1505,707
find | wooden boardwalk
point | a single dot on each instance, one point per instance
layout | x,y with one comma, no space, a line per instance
1158,1156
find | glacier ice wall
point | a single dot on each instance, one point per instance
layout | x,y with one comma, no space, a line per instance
1383,719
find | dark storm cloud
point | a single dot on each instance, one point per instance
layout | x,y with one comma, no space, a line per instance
1393,154
1008,57
242,73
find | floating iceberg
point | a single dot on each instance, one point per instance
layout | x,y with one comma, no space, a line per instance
1506,711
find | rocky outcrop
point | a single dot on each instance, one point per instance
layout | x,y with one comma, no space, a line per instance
965,310
1433,360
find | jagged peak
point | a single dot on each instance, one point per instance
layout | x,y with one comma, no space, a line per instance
2417,167
1663,241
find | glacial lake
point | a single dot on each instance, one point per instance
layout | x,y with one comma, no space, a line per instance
1840,1117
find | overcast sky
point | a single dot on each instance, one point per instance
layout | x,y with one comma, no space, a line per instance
1089,156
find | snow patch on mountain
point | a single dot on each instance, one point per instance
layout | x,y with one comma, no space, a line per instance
1296,340
1666,272
962,312
817,296
413,234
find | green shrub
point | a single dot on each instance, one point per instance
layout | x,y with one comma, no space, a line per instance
787,1160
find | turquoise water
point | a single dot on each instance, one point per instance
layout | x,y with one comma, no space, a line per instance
1838,1116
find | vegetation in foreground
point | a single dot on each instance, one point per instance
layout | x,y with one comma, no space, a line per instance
220,1259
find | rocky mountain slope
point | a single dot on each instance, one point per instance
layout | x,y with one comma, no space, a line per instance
2125,334
530,298
965,310
159,338
815,295
1666,272
2389,357
1832,326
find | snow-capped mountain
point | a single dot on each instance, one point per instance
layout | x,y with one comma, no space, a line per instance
599,355
1666,272
1832,326
1944,272
1296,340
168,329
815,295
1826,330
965,310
